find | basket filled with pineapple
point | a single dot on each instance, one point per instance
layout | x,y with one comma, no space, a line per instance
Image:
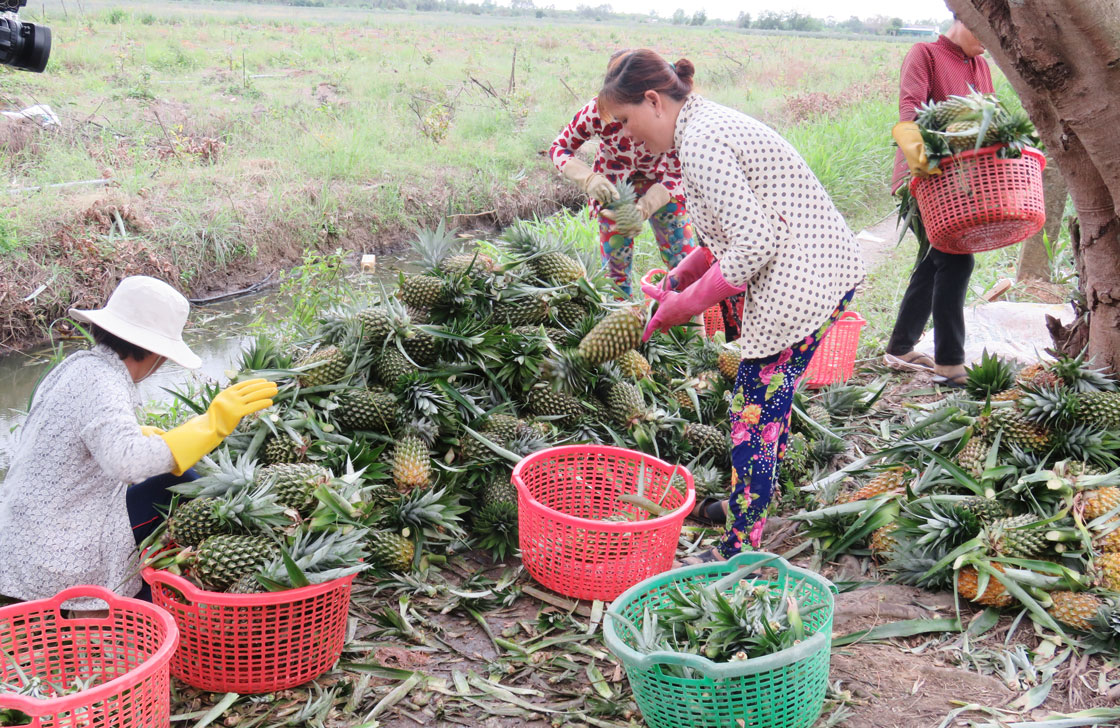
256,570
988,193
740,642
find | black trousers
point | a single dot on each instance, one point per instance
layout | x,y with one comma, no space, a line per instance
938,286
147,503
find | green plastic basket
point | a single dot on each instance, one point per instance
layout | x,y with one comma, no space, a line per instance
782,690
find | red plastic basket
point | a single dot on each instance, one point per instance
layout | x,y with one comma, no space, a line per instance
713,319
253,643
127,652
563,493
835,357
981,202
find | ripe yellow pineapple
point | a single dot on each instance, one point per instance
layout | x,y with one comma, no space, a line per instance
889,481
883,540
1036,375
1074,609
1107,571
1099,501
1008,395
968,584
634,365
1109,542
728,362
412,464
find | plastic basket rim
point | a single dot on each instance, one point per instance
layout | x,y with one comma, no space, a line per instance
982,152
850,317
607,526
717,670
225,599
37,707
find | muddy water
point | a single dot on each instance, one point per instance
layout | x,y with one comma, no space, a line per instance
218,336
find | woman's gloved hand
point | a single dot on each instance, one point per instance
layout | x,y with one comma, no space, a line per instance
687,272
679,308
592,183
197,437
909,139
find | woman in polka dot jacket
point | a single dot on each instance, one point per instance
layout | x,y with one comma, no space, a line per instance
772,232
656,178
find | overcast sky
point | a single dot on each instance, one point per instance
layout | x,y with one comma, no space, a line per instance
840,9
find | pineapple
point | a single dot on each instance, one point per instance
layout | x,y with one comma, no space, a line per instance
892,480
323,366
963,135
1108,570
1099,501
705,438
390,551
1048,405
972,456
476,264
634,365
883,540
991,376
247,584
968,585
196,520
986,509
1074,609
560,407
569,313
390,365
412,463
683,400
496,522
421,291
625,404
376,324
1099,409
283,448
420,346
294,484
617,333
1020,432
521,311
545,259
627,218
1008,395
1109,539
1036,375
501,429
961,108
1079,375
728,364
819,413
320,556
1014,536
365,409
222,560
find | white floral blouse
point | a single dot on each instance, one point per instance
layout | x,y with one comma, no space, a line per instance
769,222
63,517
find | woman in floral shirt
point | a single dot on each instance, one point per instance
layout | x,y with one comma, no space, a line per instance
772,232
656,178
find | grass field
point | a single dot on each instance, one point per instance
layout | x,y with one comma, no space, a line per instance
234,137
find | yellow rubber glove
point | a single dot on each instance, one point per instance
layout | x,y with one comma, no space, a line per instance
191,440
656,197
591,182
909,140
148,431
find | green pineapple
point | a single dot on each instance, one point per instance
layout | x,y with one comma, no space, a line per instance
283,448
962,108
986,509
412,463
1048,405
633,365
377,323
327,365
222,560
819,414
627,218
625,404
569,313
545,259
247,584
1020,432
705,438
559,407
420,346
1015,536
495,524
616,334
1099,409
525,310
973,455
366,409
391,365
421,291
194,521
476,264
294,484
390,551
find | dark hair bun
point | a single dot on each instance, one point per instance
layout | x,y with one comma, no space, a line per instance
685,69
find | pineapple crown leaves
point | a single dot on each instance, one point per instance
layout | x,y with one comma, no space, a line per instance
434,513
1079,375
421,398
992,375
1048,405
432,246
253,510
220,479
1089,444
315,558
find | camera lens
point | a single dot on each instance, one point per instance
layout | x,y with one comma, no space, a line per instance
25,46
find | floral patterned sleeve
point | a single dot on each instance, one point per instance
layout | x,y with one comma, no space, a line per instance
669,175
583,126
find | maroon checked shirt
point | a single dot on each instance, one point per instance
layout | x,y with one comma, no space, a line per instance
934,72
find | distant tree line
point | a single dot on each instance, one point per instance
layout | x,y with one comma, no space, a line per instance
767,20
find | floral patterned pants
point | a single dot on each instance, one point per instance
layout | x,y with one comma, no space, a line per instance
761,404
672,227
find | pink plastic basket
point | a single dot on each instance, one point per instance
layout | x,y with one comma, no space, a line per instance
253,643
836,354
713,318
981,202
563,495
126,652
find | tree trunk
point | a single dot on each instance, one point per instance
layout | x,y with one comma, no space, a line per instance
1063,59
1034,260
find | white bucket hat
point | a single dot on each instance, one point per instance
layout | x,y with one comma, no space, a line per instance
148,313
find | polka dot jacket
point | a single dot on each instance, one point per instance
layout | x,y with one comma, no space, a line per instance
768,221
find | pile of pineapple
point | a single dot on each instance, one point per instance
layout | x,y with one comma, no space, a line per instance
1009,494
962,123
399,419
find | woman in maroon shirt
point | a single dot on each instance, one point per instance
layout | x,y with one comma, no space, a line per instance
950,66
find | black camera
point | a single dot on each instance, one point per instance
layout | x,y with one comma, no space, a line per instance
25,46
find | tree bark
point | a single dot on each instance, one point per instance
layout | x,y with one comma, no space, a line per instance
1063,59
1034,260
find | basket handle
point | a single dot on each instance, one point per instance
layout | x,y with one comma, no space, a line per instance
84,591
851,316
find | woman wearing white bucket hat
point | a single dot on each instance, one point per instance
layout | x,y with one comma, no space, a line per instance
63,514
